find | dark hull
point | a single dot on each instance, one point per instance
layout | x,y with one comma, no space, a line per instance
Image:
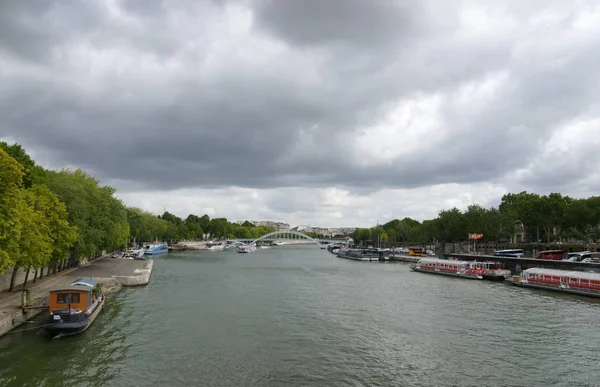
59,328
493,277
478,277
578,292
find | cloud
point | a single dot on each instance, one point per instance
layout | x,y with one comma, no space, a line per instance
257,96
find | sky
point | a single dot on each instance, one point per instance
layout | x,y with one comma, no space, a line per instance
317,112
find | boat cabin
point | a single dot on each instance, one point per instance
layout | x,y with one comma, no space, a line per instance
78,297
563,278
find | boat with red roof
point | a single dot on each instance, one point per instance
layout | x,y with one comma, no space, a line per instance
575,282
462,269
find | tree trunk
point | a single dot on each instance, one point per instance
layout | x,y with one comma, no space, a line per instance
53,268
26,276
35,275
13,278
42,271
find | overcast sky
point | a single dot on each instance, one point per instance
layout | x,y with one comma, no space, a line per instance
312,112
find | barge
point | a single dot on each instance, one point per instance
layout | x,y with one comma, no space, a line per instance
368,254
574,282
74,308
462,269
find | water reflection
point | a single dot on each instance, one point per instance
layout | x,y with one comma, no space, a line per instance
301,317
93,358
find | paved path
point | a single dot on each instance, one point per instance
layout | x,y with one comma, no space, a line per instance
126,270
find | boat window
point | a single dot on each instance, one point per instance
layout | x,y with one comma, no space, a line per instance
67,298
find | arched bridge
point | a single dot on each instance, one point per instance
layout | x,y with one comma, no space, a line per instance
285,233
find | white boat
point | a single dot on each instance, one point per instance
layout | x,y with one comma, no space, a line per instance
215,246
246,248
156,248
134,254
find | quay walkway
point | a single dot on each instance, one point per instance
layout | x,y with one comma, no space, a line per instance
111,273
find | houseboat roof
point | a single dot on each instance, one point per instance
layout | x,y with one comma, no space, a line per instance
78,288
438,260
571,274
85,282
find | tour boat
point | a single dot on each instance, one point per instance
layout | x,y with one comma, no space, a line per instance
74,308
156,248
575,282
369,254
246,248
462,269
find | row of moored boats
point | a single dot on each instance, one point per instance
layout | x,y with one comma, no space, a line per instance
568,281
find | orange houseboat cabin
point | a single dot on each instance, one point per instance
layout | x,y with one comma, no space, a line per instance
74,308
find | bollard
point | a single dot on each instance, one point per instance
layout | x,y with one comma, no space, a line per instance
25,298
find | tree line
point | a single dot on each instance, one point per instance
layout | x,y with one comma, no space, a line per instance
538,218
53,219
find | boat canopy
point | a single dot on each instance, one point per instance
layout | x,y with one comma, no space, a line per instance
446,261
563,273
73,288
85,282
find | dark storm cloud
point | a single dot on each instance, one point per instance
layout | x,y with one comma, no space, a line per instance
134,95
355,22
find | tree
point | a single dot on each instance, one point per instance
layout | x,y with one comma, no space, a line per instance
101,219
11,179
31,172
35,242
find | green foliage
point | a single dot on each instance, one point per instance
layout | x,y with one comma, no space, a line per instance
100,218
32,173
546,219
11,204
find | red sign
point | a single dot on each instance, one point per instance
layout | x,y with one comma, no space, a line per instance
475,236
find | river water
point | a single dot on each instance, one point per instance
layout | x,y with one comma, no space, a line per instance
299,316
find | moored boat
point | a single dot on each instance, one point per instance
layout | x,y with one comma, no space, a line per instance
246,248
368,254
574,282
215,246
134,254
462,269
156,248
492,271
74,308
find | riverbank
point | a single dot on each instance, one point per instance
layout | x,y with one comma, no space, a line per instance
111,273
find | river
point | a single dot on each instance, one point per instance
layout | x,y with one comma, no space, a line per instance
299,316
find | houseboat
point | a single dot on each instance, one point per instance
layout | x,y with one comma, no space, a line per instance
575,282
368,254
156,248
74,308
462,269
